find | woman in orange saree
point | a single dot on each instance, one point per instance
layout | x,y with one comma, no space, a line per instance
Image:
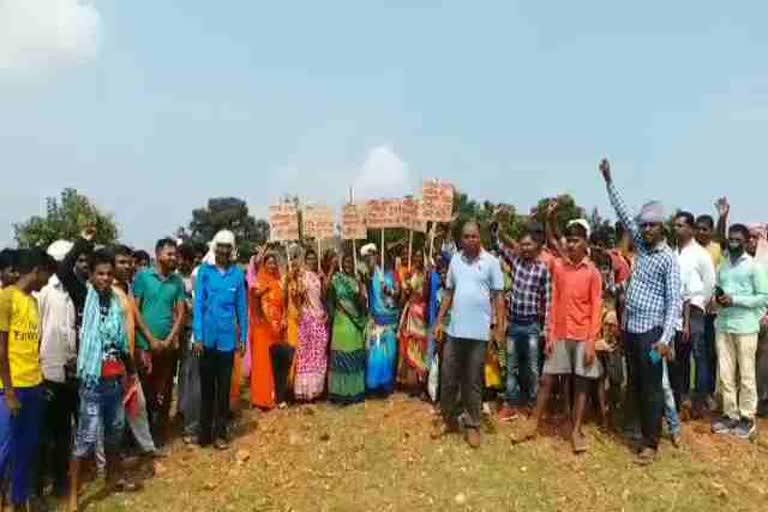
267,314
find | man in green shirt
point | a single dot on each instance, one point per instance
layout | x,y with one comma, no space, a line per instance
742,292
159,293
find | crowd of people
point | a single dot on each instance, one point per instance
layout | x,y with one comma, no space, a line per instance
646,325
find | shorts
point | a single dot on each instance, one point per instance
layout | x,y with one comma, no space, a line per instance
101,412
568,358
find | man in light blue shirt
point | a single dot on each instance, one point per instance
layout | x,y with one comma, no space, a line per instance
220,327
474,298
742,292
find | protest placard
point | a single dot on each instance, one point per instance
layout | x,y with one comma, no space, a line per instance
353,222
383,213
411,215
437,201
283,222
318,222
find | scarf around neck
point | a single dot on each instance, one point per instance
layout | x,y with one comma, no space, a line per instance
96,332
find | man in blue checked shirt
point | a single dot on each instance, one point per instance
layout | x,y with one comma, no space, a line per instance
653,305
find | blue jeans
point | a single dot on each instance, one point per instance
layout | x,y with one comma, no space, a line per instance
670,409
523,364
19,440
101,412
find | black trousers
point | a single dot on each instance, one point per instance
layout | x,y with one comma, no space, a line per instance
60,408
282,360
461,380
215,384
645,383
680,367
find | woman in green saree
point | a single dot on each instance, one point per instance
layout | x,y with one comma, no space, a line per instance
347,361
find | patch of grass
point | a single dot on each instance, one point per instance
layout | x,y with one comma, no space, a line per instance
378,456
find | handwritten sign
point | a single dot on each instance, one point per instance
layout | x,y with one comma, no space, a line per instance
283,223
411,215
437,201
383,213
318,221
353,223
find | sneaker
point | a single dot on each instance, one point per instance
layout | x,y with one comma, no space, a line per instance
724,425
508,413
473,437
677,439
745,429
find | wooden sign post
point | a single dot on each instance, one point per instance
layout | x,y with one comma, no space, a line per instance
383,214
437,206
283,222
353,226
411,218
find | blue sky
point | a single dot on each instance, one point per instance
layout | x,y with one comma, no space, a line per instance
151,107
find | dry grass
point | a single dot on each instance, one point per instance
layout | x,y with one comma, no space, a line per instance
379,456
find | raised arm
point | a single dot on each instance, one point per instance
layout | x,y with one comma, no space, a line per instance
553,235
622,212
66,269
723,213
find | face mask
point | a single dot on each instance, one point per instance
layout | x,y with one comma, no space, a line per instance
735,248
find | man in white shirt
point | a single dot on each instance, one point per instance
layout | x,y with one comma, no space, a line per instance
58,355
697,272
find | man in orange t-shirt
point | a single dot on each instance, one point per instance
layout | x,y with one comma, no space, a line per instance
573,330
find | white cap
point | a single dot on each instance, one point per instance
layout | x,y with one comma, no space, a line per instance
59,249
368,249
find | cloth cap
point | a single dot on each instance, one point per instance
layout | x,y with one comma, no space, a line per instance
224,237
652,212
59,249
368,249
581,222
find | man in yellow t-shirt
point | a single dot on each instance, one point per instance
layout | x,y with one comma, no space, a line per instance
21,392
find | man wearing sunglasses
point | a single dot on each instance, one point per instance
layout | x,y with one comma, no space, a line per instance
653,306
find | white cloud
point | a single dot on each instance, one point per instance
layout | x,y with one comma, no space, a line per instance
38,34
383,174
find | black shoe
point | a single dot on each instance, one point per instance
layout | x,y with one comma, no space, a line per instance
745,429
724,425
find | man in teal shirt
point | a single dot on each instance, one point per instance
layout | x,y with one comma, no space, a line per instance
160,296
742,292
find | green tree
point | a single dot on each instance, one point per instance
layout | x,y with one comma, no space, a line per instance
66,216
226,213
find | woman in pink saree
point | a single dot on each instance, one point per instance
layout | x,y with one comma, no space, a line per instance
312,351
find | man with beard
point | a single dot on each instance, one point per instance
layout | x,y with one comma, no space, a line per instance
160,298
653,306
742,292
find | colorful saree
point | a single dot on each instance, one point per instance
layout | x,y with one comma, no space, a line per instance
347,364
413,365
266,317
382,334
311,354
